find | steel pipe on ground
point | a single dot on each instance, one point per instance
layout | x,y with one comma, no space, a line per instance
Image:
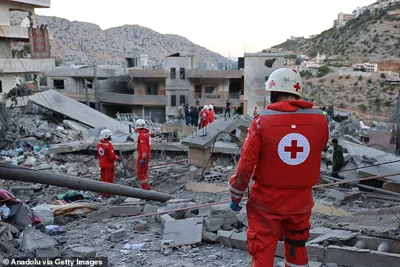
14,173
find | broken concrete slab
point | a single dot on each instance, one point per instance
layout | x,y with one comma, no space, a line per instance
149,209
118,235
99,215
183,232
238,240
213,223
205,187
224,237
327,208
209,237
204,139
83,252
47,253
335,194
73,109
165,218
326,234
118,211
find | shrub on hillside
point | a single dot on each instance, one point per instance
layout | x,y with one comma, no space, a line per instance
323,70
363,107
383,76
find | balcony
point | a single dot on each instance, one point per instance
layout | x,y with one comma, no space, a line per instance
125,99
77,96
139,73
14,32
35,3
218,100
22,65
215,74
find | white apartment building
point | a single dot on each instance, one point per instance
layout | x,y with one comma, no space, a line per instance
21,57
366,67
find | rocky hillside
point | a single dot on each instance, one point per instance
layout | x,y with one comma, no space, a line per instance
81,42
372,37
370,95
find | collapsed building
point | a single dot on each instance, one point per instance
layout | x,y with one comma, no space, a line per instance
353,225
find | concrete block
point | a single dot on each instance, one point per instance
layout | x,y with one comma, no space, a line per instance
22,216
83,252
149,209
335,194
118,211
242,218
224,237
47,253
238,240
118,235
227,226
209,237
326,234
99,215
165,218
183,232
205,212
280,249
213,223
328,209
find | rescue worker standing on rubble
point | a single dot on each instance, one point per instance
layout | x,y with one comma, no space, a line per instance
211,114
337,159
282,154
107,158
143,153
204,116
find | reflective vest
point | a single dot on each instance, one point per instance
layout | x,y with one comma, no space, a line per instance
291,148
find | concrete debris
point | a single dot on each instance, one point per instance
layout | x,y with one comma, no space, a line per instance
183,232
83,252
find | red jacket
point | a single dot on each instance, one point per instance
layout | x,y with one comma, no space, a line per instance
286,139
211,116
204,116
143,144
106,154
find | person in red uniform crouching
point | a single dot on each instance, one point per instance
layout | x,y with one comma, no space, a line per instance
211,114
107,158
204,116
282,154
144,153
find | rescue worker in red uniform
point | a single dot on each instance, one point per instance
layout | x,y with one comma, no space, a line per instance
143,153
211,114
282,154
107,158
204,116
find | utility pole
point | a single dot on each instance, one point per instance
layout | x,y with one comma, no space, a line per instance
398,124
95,89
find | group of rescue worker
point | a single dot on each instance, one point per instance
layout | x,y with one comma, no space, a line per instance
281,154
107,156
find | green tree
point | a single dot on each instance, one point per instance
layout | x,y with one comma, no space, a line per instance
363,107
360,78
323,70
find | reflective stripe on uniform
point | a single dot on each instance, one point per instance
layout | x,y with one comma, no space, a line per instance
235,196
235,190
295,265
268,112
143,181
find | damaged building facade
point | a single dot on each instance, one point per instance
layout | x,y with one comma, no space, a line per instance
158,92
25,48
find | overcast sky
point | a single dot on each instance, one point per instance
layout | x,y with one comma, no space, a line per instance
237,26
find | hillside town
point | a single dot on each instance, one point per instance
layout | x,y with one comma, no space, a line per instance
149,160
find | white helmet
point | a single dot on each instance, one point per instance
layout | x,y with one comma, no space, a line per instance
205,107
210,107
284,80
140,124
105,134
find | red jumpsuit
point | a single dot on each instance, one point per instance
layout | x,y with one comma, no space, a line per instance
286,139
204,117
144,153
107,157
211,116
